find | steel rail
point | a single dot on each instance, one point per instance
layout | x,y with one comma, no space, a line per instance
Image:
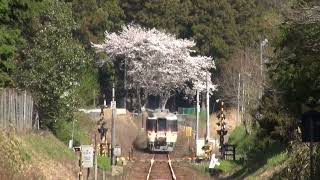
150,168
171,169
152,161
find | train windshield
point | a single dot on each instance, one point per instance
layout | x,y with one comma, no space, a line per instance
172,126
151,125
162,124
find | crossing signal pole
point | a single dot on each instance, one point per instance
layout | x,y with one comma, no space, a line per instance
222,131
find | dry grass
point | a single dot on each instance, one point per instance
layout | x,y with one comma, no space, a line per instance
126,130
37,155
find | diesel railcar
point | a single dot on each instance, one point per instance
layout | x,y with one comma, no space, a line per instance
162,131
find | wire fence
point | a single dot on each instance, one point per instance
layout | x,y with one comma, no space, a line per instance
17,109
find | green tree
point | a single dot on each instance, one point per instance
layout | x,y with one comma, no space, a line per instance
95,17
248,17
88,89
210,23
295,77
54,61
11,40
295,70
171,15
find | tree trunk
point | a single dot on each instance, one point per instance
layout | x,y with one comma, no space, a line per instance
144,99
139,99
163,105
163,100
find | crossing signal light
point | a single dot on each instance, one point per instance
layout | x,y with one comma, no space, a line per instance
102,149
222,132
221,115
221,123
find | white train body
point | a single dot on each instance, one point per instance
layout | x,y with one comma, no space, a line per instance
162,131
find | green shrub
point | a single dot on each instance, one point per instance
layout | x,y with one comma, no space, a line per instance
83,127
244,142
104,163
229,166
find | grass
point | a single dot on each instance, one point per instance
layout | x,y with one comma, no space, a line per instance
83,127
243,141
13,153
277,159
202,167
256,157
104,163
46,144
272,163
34,155
22,153
226,166
253,158
229,166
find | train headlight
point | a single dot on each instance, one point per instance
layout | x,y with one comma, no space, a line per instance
151,136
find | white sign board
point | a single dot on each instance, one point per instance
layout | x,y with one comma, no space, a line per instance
117,151
200,143
71,143
87,156
113,104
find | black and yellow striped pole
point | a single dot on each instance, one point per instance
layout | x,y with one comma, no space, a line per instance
222,131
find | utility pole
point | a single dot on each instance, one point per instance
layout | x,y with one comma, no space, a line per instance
94,98
125,84
238,112
95,158
197,120
113,133
72,136
262,44
207,109
243,101
311,150
142,117
197,115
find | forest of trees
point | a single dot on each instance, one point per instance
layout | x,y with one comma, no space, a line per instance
46,49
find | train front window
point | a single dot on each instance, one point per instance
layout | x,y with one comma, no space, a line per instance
151,125
172,126
162,124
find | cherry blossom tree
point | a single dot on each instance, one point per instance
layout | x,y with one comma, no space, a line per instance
158,63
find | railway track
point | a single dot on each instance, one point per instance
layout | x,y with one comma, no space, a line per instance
161,168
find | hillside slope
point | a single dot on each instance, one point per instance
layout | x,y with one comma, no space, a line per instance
35,155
